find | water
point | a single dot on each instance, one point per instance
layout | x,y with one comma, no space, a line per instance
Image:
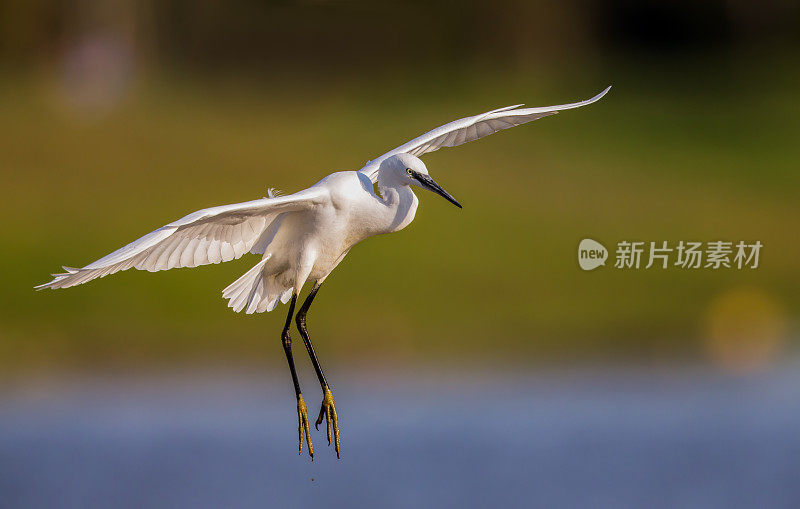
687,439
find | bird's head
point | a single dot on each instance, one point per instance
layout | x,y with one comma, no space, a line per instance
409,170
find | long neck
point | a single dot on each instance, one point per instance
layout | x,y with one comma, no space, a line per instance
399,206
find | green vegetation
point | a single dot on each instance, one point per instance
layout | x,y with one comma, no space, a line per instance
676,151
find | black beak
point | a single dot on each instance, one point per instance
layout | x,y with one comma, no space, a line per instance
431,185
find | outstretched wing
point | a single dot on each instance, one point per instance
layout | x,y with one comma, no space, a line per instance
471,128
213,235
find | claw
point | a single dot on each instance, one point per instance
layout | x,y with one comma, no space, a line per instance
328,409
303,426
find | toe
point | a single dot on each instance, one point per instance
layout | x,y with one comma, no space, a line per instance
303,427
319,418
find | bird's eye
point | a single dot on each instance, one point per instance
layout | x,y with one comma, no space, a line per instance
408,170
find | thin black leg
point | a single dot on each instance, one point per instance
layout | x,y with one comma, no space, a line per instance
287,346
303,427
301,326
328,408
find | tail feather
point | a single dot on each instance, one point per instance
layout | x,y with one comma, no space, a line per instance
255,291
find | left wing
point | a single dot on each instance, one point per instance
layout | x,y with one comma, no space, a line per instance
467,129
212,235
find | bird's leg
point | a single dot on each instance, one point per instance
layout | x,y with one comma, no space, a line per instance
328,407
302,412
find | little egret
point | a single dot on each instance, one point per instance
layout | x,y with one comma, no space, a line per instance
305,235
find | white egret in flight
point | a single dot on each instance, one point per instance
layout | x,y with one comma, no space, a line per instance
303,236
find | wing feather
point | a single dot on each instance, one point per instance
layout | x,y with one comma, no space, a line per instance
213,235
472,128
175,257
214,255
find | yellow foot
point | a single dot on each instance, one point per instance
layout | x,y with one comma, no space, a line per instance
329,411
303,427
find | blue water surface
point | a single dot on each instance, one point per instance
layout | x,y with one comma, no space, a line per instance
614,439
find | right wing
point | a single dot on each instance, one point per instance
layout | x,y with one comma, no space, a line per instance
213,235
472,128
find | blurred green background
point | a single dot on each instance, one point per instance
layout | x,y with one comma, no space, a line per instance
118,117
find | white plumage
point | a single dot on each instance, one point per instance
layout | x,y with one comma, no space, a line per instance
468,129
302,236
